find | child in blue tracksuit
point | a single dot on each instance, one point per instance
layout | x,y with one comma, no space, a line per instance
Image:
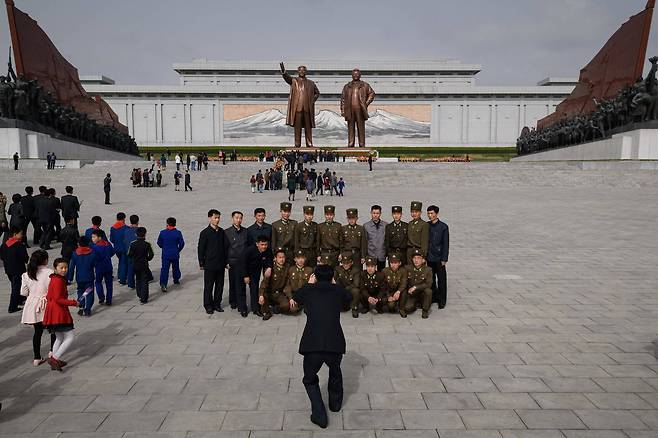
83,261
117,237
172,243
95,225
104,252
129,237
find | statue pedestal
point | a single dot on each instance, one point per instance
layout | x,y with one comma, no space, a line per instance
637,144
34,144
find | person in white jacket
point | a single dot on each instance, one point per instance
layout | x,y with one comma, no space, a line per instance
35,287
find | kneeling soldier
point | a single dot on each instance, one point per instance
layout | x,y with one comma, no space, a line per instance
271,290
373,288
348,276
419,283
396,282
298,274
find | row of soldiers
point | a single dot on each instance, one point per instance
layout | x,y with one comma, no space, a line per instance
401,287
394,289
330,238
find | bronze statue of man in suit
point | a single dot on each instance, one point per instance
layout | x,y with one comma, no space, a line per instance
301,104
354,101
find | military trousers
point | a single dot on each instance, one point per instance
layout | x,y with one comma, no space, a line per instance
409,302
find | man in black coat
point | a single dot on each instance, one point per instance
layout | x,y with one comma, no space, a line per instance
107,187
70,206
323,340
45,211
257,260
28,204
213,258
437,255
13,254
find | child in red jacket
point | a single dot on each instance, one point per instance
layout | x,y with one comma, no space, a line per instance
57,318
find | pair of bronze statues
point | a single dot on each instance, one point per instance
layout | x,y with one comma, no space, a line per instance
354,101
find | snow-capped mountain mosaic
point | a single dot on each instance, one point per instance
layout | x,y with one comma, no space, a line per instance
269,126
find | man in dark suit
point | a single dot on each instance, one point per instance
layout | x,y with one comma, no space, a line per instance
323,340
70,206
213,259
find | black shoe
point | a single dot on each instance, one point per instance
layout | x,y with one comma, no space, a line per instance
244,313
403,313
219,309
266,316
355,313
234,306
275,310
426,314
442,306
320,420
109,303
364,310
210,311
101,301
334,406
258,313
177,282
80,311
122,283
14,310
163,289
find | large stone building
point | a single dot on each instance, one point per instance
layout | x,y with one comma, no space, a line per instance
418,103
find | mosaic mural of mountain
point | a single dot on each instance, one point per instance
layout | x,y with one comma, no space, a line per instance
382,127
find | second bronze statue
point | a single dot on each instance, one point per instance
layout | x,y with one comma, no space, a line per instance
354,101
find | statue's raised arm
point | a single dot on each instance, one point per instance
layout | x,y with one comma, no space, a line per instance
284,74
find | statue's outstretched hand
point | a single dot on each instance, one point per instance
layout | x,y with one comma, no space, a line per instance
653,59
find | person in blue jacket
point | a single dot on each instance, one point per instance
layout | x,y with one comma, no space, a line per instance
95,225
83,262
117,238
104,252
130,237
172,243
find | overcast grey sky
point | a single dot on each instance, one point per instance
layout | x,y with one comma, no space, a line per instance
518,42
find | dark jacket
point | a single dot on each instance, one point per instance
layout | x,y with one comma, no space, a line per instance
140,252
17,215
14,256
45,209
255,231
238,241
107,184
323,303
437,250
82,264
255,261
213,249
69,237
70,206
27,202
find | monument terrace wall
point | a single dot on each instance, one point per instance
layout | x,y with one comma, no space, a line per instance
418,103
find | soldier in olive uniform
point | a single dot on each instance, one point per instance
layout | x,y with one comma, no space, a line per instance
373,287
419,286
418,231
354,238
298,274
329,236
395,237
306,236
395,276
348,275
272,296
283,231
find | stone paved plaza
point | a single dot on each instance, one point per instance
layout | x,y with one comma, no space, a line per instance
550,329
